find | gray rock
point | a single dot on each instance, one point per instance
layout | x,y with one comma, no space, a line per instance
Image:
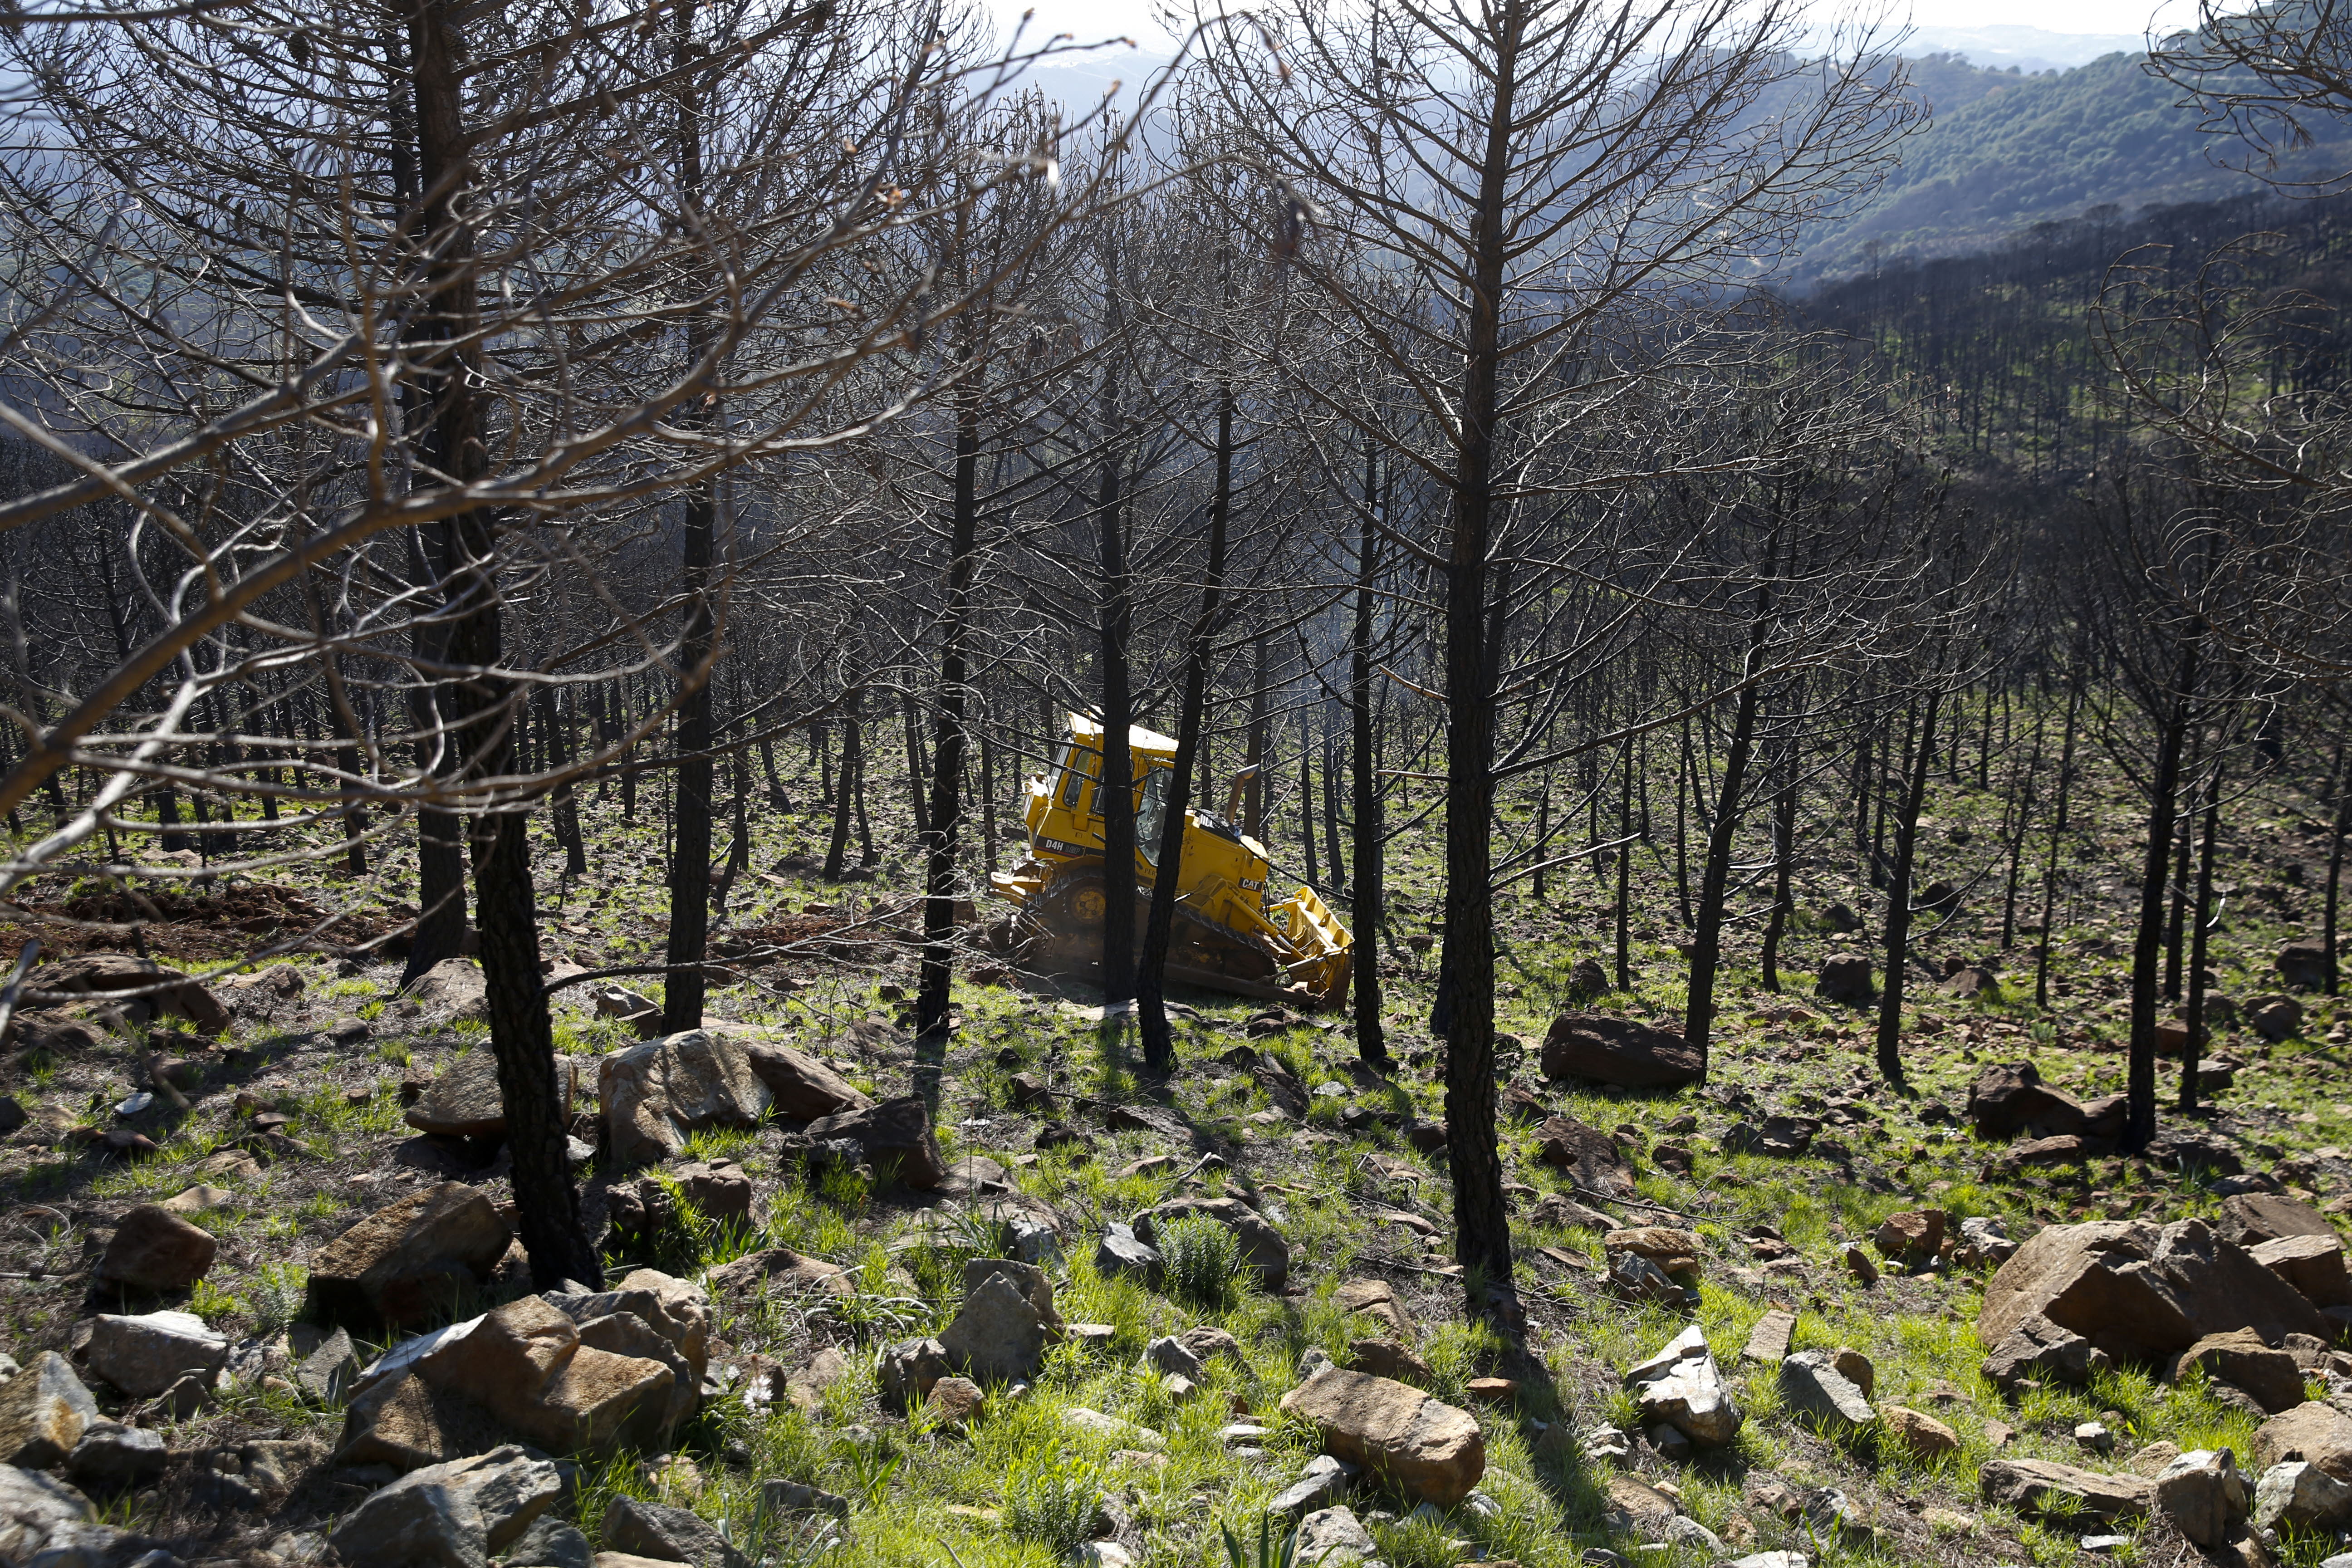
1034,1241
783,1498
1811,1385
672,1534
35,1508
1333,1538
1682,1387
895,1137
653,1095
2203,1494
1691,1536
550,1543
1637,1279
1324,1481
1171,1354
146,1354
43,1412
110,1457
327,1373
454,1515
1119,1252
2302,1495
625,1333
908,1372
1773,1560
998,1336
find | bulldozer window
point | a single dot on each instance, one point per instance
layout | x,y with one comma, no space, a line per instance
1073,778
1151,815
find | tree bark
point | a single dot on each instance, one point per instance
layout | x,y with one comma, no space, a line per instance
520,1033
1921,761
1482,1244
1115,796
2147,947
690,869
946,821
1706,938
1367,876
1168,872
2203,913
845,782
2057,831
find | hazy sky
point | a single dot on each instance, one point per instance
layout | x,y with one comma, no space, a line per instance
1095,19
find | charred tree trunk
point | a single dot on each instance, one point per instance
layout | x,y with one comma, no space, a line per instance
2147,947
946,821
1920,760
2057,831
846,786
689,866
522,1034
1715,878
1482,1243
1367,876
1168,870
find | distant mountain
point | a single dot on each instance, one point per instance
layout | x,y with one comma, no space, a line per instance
2005,151
2030,50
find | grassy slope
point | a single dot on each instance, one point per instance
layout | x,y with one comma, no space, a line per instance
919,1490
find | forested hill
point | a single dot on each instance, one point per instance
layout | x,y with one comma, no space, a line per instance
2004,152
1996,348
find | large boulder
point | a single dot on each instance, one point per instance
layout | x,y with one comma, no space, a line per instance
2314,1265
2009,1099
2141,1293
156,1250
44,1411
896,1137
401,1421
2302,1495
1428,1449
410,1262
1605,1048
1006,1323
37,1511
1589,1156
2239,1358
800,1087
655,1094
1682,1387
1264,1250
452,1515
1811,1385
526,1365
1847,978
112,973
2249,1218
465,1101
2203,1494
658,1533
146,1354
453,989
2041,1487
2316,1433
2302,963
678,1309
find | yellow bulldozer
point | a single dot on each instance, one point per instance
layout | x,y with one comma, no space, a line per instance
1225,937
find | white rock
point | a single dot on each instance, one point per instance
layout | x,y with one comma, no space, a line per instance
145,1354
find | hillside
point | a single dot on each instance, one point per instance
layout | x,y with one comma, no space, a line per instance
2004,152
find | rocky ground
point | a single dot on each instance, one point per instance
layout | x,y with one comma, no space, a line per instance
1016,1303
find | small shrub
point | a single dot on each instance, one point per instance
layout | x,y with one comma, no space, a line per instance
1053,1501
1203,1260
